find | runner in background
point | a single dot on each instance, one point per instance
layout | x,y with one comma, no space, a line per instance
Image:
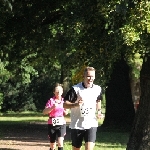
56,122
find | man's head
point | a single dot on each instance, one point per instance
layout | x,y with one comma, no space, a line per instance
89,76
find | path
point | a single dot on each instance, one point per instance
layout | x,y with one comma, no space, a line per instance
27,137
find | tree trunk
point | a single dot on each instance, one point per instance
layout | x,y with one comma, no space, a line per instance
119,105
140,135
136,92
135,67
65,79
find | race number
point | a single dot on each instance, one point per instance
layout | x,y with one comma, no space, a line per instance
86,111
57,121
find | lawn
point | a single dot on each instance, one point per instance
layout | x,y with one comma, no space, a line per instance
106,139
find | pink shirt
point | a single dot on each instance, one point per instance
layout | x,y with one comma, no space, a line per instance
56,112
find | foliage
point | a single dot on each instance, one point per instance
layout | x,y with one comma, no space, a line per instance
22,44
135,63
43,42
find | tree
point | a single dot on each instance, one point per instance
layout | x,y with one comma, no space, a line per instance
135,68
27,51
119,106
44,40
140,136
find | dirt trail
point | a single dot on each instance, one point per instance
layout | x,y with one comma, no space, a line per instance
27,137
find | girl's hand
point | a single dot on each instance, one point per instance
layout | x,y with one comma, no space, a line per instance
66,111
56,104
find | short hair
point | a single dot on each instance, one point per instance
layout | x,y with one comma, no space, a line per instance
88,69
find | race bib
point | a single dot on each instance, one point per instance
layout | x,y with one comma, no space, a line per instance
86,111
58,121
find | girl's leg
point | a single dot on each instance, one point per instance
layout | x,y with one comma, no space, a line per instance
60,143
52,136
52,146
61,134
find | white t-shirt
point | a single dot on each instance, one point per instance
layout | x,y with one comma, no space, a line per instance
84,117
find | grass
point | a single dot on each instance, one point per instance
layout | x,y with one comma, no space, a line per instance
110,140
106,139
23,117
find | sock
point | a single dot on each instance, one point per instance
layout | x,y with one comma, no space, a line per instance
60,148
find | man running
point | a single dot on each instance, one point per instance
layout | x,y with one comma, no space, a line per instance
84,99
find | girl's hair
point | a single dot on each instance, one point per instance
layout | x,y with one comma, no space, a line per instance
56,85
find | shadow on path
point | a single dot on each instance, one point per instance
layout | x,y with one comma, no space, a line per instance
32,132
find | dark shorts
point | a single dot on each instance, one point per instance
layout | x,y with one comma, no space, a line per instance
88,135
56,131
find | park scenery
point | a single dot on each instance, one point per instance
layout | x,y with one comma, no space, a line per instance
48,41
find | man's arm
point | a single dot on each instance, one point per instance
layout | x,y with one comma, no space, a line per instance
69,105
98,102
98,105
70,99
99,110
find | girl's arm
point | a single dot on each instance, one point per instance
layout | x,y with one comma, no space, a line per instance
48,110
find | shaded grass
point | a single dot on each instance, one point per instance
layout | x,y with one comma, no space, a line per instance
107,140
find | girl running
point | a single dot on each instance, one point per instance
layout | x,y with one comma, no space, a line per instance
56,122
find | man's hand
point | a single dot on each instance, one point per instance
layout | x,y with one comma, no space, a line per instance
99,114
80,102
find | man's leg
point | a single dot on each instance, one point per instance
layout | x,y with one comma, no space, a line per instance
90,137
77,138
89,145
74,148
